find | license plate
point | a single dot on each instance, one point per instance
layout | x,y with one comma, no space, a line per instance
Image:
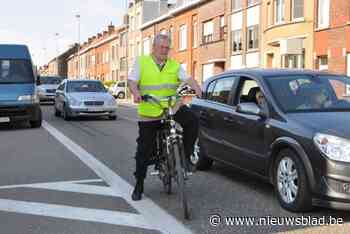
93,109
4,119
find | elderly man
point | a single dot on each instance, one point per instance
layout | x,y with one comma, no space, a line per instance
158,75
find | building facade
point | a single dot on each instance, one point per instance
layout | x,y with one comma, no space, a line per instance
332,36
196,30
288,38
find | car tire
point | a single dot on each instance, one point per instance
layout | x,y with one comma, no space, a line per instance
112,117
203,162
57,112
36,123
121,95
292,193
65,114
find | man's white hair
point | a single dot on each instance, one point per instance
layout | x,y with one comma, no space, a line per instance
159,37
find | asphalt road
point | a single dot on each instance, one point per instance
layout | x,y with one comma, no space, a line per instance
76,177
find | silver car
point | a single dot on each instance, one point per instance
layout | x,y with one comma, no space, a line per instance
47,87
76,98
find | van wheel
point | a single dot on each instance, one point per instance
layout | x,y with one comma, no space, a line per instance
37,123
199,159
291,182
112,117
57,112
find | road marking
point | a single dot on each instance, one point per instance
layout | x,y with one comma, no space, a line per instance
154,215
58,182
128,119
75,213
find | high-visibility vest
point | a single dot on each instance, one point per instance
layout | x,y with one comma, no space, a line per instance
158,83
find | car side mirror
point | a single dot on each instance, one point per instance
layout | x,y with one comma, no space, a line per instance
251,108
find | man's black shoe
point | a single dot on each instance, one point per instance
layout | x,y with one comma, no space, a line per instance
138,190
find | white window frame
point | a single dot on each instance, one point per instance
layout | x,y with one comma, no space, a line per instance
237,8
293,11
183,37
323,15
280,11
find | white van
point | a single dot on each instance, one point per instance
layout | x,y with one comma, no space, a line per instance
119,89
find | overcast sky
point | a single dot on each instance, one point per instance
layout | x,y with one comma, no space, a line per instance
35,23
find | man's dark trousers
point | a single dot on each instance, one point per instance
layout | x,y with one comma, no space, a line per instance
147,137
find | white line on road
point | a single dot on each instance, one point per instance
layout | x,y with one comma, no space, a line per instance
156,216
43,184
75,213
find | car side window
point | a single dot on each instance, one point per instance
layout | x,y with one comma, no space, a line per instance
222,90
121,84
210,90
61,87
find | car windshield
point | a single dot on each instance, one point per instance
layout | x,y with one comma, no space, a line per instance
85,86
15,71
50,80
306,93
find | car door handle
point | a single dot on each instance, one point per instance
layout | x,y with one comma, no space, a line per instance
231,120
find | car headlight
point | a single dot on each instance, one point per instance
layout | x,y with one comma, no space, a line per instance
74,102
30,98
335,148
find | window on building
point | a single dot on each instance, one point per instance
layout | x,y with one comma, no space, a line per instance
323,13
138,20
279,12
298,9
222,27
107,56
322,63
208,71
171,36
252,2
123,38
146,46
293,61
184,66
208,31
195,34
113,53
123,64
253,37
138,49
163,32
236,4
183,38
236,41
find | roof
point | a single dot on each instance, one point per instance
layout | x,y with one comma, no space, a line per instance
276,72
13,51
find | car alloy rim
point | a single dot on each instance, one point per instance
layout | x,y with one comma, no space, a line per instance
287,180
195,155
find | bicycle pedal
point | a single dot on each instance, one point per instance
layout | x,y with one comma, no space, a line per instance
154,173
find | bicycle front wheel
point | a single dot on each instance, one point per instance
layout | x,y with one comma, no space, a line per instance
179,155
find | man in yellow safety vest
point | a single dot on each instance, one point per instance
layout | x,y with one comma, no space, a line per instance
158,75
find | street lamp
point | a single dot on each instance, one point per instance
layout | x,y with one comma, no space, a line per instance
56,35
78,19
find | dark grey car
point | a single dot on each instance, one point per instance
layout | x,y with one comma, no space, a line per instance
289,127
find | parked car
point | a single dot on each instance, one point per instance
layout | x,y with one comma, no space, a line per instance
84,98
18,98
288,127
48,86
118,90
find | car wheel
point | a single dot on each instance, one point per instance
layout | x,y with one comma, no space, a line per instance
57,112
65,114
199,159
291,182
121,95
112,117
36,123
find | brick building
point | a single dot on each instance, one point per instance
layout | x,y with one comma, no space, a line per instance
196,29
332,36
58,66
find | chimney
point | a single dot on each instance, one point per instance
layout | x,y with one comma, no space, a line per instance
104,33
99,35
90,40
111,28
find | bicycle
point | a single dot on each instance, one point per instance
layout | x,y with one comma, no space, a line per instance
170,154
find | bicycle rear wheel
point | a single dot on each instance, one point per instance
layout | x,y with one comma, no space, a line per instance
179,155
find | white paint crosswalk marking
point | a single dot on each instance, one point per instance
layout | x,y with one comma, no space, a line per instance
75,213
155,216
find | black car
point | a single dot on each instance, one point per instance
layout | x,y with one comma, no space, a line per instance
290,127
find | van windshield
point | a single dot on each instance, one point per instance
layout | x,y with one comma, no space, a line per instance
50,80
13,71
